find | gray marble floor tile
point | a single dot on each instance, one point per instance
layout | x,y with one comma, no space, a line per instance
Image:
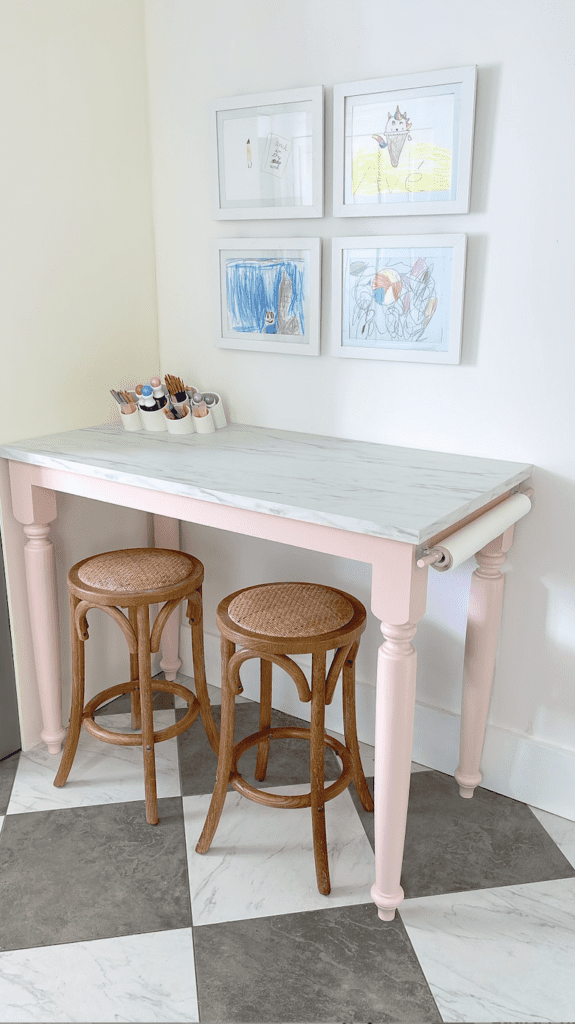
454,845
214,692
7,772
92,872
337,964
288,761
121,705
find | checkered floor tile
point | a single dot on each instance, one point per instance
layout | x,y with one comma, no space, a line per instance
105,918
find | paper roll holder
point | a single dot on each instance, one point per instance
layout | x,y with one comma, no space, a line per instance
439,558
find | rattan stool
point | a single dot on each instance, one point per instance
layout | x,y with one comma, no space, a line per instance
135,578
270,622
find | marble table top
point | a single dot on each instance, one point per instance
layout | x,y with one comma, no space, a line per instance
376,489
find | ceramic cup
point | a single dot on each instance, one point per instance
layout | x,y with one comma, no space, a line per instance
183,426
154,420
217,410
131,420
204,424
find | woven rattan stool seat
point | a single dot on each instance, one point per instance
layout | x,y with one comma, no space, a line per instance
136,579
291,609
271,622
137,569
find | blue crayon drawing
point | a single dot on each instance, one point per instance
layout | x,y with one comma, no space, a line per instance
267,295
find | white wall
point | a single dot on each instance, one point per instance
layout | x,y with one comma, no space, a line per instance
510,398
77,277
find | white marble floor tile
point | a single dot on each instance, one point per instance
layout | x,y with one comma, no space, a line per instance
261,860
102,772
143,978
561,830
498,954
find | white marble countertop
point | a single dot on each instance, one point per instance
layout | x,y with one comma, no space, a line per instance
384,491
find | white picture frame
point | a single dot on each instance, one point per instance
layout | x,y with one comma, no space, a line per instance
400,294
268,155
416,163
268,295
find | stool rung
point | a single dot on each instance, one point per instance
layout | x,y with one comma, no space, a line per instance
264,796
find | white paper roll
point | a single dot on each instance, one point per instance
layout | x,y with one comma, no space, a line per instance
463,544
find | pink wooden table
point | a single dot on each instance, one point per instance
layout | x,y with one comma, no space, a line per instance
375,503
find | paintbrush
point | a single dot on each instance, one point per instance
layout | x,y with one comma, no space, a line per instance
119,397
175,412
176,387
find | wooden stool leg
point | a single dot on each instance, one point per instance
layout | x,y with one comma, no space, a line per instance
350,729
146,700
195,615
77,708
226,752
136,720
317,732
265,717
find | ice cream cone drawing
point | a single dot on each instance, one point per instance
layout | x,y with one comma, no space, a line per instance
395,135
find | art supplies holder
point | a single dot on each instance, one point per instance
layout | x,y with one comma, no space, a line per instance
157,420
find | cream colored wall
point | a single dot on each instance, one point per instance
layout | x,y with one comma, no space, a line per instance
77,277
512,395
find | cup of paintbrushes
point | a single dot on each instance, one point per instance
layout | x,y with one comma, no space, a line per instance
129,412
178,419
130,416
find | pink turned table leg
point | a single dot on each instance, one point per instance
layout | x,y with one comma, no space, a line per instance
167,535
35,507
483,624
398,598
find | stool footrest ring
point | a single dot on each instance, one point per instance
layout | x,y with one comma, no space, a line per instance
135,739
264,796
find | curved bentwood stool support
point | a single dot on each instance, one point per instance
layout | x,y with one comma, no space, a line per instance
272,622
135,578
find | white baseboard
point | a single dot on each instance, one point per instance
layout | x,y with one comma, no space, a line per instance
514,765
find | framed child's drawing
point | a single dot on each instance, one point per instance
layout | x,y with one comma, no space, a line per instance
403,145
269,155
269,295
398,297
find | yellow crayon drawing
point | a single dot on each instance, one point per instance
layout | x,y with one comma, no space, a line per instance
423,168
